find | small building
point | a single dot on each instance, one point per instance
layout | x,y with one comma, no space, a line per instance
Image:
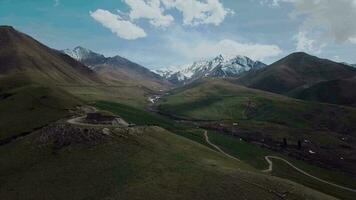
100,118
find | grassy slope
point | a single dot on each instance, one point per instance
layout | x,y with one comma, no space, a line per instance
254,156
274,115
30,106
125,94
152,165
251,154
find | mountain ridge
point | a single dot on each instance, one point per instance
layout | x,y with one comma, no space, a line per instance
22,54
220,66
295,71
118,70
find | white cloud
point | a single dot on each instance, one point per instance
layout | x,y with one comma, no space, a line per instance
197,12
122,28
307,45
151,10
336,18
208,49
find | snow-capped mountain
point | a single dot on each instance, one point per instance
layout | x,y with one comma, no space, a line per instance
82,54
220,66
118,70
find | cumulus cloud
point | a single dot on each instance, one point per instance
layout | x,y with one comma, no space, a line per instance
194,12
122,28
207,49
307,45
197,12
336,18
150,10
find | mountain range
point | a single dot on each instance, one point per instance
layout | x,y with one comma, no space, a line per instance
50,150
118,70
220,66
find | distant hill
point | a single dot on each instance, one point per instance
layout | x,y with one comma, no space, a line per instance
220,66
267,117
118,70
21,54
340,91
298,72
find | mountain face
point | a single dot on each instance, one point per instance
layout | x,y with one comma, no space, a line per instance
21,54
85,55
341,91
118,70
220,66
295,73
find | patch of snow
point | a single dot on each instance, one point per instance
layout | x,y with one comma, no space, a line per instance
78,53
311,152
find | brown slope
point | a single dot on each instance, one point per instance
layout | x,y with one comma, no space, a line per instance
335,91
120,71
295,71
21,54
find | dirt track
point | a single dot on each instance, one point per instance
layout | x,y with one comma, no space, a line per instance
270,167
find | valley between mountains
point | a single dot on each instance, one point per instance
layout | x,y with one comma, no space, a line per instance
75,124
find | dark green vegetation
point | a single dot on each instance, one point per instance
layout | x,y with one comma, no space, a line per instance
150,164
300,71
335,91
25,106
39,85
249,153
328,129
141,117
254,155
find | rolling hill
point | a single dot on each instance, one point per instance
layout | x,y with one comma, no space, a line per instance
296,72
340,91
137,163
267,118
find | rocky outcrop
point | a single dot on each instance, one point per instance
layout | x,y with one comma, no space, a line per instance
62,135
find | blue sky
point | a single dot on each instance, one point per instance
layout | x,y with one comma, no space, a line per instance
163,33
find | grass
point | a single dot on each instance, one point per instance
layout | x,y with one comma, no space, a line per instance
155,164
221,100
134,96
32,106
272,117
254,156
249,153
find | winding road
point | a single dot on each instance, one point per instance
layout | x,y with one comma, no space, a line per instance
270,167
218,148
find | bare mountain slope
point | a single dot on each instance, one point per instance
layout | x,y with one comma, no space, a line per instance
295,72
19,53
119,70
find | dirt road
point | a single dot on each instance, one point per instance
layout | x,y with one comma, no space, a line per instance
270,167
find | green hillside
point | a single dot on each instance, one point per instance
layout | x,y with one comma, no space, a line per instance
141,163
328,129
26,106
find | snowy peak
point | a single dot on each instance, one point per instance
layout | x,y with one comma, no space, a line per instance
84,55
220,66
78,53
